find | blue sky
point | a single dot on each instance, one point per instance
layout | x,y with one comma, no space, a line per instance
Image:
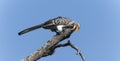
98,37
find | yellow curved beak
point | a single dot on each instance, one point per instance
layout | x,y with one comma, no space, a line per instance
76,27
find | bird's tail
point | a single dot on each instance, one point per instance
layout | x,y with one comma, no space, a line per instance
30,29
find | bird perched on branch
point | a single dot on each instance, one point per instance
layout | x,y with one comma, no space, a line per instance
55,25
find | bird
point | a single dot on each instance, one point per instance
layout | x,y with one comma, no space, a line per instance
57,25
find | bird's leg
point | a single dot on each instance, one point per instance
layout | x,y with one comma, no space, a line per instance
57,32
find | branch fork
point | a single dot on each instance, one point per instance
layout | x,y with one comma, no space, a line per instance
49,47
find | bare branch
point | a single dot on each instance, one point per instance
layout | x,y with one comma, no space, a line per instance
47,48
78,51
71,45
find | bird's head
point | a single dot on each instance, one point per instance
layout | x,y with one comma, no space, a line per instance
73,25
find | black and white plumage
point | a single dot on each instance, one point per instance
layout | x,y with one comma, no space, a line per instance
55,25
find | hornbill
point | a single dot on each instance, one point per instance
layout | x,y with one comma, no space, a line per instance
55,25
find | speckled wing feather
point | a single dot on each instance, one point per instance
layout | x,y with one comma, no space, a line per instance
50,24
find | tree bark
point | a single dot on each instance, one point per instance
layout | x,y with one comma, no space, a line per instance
47,48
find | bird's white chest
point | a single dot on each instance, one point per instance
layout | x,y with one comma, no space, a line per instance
60,27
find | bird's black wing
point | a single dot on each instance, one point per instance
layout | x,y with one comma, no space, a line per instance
50,24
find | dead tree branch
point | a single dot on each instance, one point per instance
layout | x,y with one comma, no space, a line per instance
47,48
71,45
